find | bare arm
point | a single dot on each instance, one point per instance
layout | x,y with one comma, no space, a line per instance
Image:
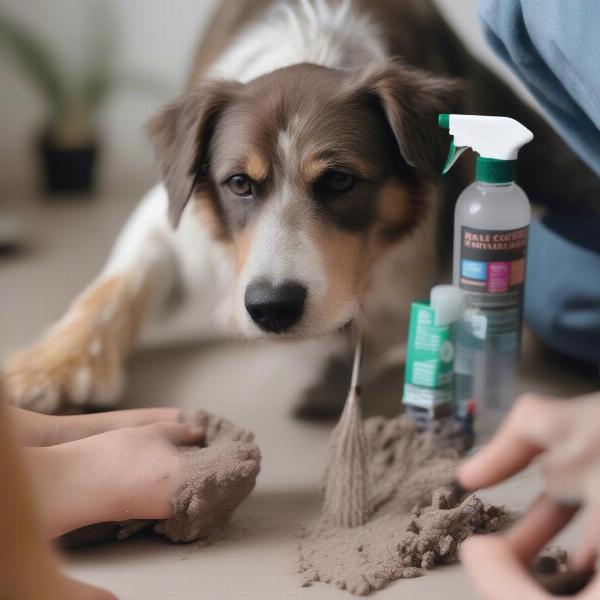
29,570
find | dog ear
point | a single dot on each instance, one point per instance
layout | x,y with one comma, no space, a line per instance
411,101
181,133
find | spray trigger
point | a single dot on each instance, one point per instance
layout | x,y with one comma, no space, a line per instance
453,155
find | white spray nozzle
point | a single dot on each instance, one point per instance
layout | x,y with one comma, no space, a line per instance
498,138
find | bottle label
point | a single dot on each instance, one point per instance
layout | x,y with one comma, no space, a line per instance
492,265
425,397
430,355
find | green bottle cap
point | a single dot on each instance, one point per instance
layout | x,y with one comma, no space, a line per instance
493,170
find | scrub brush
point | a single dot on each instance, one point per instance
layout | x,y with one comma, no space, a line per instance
347,486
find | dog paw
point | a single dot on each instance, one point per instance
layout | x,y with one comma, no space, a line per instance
56,374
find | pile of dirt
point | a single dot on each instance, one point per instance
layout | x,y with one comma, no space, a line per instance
416,520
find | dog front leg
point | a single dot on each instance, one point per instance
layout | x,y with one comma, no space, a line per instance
80,360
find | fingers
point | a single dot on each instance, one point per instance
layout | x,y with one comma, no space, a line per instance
495,570
507,557
498,574
513,447
183,435
585,558
544,519
218,429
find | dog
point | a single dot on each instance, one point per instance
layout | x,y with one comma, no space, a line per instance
300,194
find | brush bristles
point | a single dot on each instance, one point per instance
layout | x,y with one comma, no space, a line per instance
347,501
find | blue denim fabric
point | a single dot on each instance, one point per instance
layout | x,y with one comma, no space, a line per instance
553,46
562,291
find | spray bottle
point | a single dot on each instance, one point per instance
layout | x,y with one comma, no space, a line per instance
491,226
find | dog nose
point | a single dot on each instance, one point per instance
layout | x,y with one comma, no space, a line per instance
275,308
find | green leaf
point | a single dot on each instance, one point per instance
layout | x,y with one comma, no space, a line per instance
98,79
38,63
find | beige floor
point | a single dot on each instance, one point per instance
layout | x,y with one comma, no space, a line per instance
255,387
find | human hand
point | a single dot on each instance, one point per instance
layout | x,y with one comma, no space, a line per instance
567,435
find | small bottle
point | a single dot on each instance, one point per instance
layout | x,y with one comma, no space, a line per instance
429,371
491,226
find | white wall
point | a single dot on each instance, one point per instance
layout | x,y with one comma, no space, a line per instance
158,38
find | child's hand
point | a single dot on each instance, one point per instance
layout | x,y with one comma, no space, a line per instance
567,435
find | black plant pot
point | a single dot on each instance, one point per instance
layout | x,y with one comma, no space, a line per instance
68,170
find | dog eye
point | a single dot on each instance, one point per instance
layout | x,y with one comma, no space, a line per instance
338,181
240,185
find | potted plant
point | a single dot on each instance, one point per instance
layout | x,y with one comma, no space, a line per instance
68,143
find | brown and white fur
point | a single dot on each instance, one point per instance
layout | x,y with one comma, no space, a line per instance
285,93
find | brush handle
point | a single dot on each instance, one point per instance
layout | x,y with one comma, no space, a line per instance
356,365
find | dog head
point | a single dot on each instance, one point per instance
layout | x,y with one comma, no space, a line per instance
310,174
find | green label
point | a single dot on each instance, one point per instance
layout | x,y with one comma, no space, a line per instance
429,360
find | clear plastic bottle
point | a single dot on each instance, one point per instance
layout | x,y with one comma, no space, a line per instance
490,215
491,226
